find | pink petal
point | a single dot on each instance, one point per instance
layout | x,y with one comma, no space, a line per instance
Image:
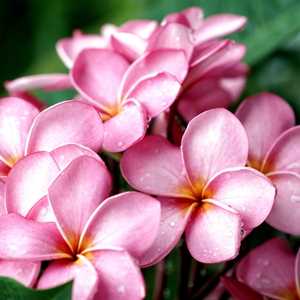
4,169
151,64
285,213
30,240
213,234
202,96
247,191
213,141
119,277
257,113
3,210
269,269
125,128
156,93
219,25
97,74
16,117
88,183
154,166
234,86
56,126
47,82
69,48
175,213
28,181
284,154
141,28
24,272
138,218
41,211
82,272
173,36
27,96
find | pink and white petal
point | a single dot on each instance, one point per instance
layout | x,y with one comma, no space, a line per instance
30,240
69,122
154,166
173,36
284,154
239,290
82,272
285,213
156,93
213,141
297,272
141,28
65,154
28,181
89,183
27,96
175,214
16,117
269,269
3,210
47,82
234,86
246,190
97,75
219,25
22,271
213,234
119,277
202,96
126,128
41,211
150,64
257,113
69,48
138,218
129,45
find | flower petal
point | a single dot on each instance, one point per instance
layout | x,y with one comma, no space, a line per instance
142,28
3,210
28,181
175,214
213,141
82,272
154,166
41,211
56,126
24,272
16,117
97,74
125,128
138,218
156,93
219,25
119,277
245,190
269,269
285,213
89,183
30,240
213,234
257,113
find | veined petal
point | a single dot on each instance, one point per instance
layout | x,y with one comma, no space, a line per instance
30,240
213,141
257,114
88,183
69,122
138,217
154,166
119,277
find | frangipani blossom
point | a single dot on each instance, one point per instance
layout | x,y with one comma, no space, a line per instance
273,149
25,130
91,240
128,96
273,270
204,188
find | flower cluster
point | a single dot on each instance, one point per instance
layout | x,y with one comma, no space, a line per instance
151,100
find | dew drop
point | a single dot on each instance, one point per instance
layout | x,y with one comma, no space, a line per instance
172,224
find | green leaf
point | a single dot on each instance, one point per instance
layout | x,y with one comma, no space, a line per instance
12,290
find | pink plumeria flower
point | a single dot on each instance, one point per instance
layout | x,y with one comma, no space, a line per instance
95,237
25,130
273,150
128,96
203,187
272,270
